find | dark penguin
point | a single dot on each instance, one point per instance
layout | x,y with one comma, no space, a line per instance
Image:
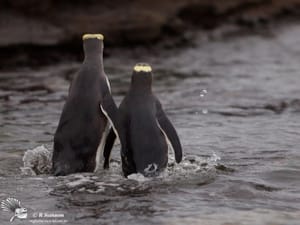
87,114
147,130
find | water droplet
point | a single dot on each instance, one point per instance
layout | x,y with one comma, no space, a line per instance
203,93
214,158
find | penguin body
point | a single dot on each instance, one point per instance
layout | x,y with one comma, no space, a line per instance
84,121
146,129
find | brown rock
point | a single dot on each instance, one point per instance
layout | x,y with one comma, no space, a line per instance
52,22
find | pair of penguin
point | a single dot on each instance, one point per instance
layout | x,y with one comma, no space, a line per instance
90,121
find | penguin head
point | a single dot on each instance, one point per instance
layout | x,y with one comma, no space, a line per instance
142,76
142,68
93,36
92,44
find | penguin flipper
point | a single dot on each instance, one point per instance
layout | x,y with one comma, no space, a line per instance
169,130
110,110
110,140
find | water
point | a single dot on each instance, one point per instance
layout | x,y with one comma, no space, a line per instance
235,103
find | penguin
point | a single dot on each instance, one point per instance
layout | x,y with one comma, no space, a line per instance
88,114
145,129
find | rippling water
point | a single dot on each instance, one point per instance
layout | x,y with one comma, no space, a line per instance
249,117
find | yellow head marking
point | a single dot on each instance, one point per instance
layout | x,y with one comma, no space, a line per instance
89,36
142,67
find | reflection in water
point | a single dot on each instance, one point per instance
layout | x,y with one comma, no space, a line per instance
249,117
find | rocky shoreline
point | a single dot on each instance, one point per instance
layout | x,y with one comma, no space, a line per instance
27,27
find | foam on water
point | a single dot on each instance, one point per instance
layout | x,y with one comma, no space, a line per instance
192,169
37,161
138,177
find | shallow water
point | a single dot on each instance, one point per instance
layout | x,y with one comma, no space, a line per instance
249,117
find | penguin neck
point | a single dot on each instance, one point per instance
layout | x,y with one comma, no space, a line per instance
141,83
93,52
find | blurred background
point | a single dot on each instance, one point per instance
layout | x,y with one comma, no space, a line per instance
28,28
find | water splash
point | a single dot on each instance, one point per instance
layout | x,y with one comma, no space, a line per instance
202,94
204,111
37,161
193,169
214,159
139,177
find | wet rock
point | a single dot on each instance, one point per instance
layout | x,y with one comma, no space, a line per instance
255,111
277,108
22,29
206,14
264,187
224,168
